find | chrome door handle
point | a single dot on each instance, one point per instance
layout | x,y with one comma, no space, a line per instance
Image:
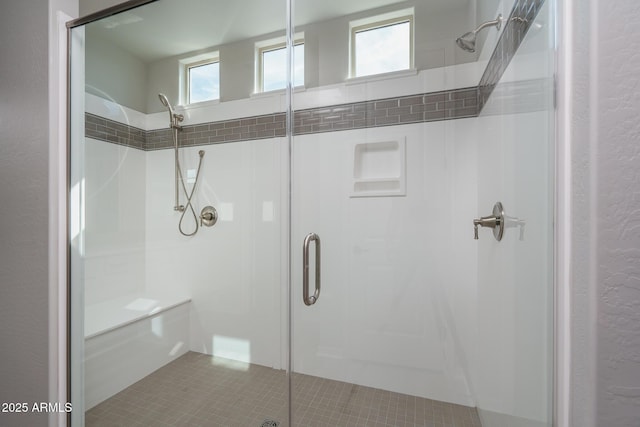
310,300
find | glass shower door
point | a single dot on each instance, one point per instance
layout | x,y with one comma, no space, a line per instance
178,179
398,316
382,179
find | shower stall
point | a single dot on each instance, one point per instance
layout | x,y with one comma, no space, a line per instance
367,241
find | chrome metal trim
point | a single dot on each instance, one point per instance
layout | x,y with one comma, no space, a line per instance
176,166
498,212
104,13
561,13
67,202
495,23
290,31
310,300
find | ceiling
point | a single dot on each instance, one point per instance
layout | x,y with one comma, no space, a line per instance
172,27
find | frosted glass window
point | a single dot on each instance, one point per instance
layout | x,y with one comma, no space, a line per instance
274,67
204,82
381,49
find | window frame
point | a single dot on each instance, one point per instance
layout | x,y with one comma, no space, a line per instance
199,61
269,46
376,22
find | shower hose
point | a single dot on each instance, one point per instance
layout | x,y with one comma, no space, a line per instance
189,195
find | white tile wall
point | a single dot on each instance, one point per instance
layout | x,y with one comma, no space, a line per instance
394,306
115,218
231,270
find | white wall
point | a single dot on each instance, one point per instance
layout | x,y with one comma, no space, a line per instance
576,180
115,218
597,92
91,6
113,73
26,368
24,173
232,270
616,162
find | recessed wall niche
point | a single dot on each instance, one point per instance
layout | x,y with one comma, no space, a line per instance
379,169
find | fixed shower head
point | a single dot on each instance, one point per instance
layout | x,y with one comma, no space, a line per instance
468,40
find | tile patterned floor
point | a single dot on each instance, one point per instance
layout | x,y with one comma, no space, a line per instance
199,390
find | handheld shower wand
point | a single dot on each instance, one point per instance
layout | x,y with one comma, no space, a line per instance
174,118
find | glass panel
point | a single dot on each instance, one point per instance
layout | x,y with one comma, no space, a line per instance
515,281
176,322
415,322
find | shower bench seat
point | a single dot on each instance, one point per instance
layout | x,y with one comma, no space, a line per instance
128,338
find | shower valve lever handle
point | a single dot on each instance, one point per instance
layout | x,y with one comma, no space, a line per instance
485,221
208,216
495,221
499,221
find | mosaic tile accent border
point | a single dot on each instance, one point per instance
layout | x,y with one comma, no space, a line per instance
235,130
246,128
427,107
522,16
526,96
111,131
